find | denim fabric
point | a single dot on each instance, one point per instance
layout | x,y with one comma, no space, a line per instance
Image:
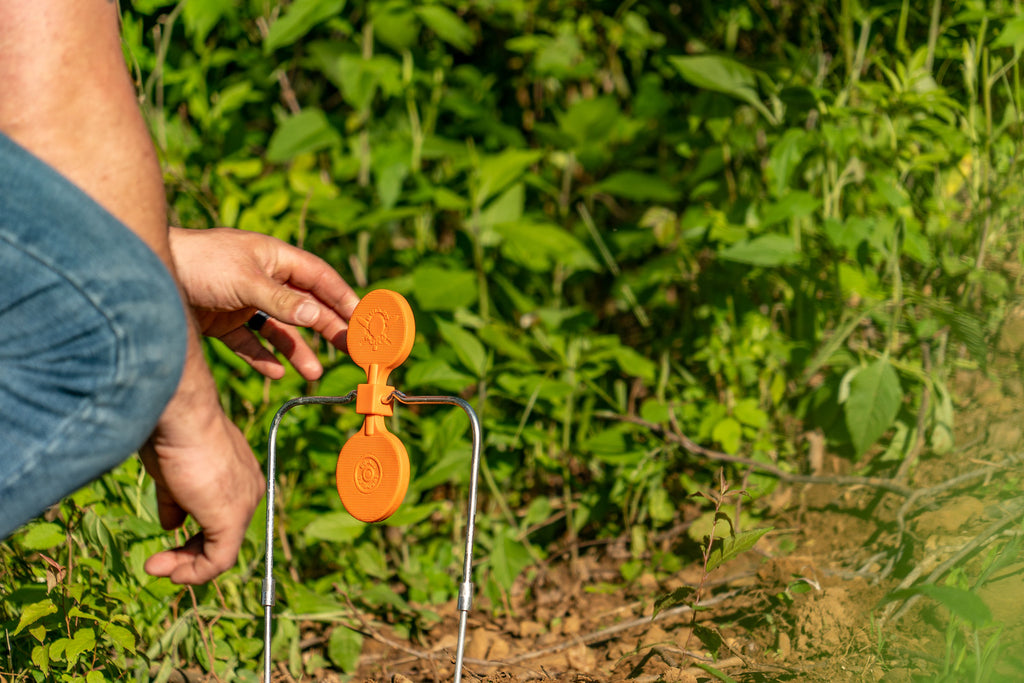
92,338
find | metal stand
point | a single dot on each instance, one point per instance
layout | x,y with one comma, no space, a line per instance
465,598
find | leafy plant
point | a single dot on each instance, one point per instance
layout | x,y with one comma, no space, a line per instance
618,224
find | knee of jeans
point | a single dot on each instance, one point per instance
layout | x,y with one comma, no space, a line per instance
152,347
147,318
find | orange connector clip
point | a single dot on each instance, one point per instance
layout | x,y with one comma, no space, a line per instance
373,467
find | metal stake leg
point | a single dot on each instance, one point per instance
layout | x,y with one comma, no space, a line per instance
465,600
268,592
465,597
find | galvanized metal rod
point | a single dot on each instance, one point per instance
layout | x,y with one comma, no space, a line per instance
268,592
465,599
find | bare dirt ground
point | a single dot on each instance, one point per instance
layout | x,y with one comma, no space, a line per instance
804,605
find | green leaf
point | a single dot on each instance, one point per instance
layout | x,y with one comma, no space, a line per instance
786,155
448,26
467,347
500,170
729,434
873,403
42,536
507,208
344,648
720,675
437,289
300,17
33,613
341,379
120,636
721,74
395,26
767,250
732,546
435,373
307,131
748,412
539,246
677,597
590,121
201,17
302,600
793,204
1012,35
508,559
710,638
637,186
632,363
41,658
334,527
963,603
84,640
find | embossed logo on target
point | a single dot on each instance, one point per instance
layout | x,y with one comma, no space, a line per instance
368,474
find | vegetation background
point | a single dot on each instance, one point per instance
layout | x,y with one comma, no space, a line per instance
774,229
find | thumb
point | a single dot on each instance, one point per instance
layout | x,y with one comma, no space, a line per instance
284,303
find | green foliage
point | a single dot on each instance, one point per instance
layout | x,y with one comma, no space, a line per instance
722,218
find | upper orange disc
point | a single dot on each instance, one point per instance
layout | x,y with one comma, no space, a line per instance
381,331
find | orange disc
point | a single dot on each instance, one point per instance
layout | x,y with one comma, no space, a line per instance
381,332
373,475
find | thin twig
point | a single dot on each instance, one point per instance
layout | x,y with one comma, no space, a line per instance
903,473
692,446
605,633
204,636
991,531
930,493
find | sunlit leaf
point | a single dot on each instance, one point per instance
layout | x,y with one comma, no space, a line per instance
637,186
307,131
538,246
963,603
300,17
42,536
874,400
466,346
448,26
344,647
498,171
30,614
334,527
721,74
437,289
733,546
677,597
767,250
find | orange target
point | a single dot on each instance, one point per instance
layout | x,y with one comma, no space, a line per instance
373,466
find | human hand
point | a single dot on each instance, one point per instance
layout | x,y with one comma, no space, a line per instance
229,274
203,467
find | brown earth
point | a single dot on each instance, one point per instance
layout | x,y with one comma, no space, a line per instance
806,604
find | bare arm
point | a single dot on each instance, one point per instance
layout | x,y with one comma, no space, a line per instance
66,96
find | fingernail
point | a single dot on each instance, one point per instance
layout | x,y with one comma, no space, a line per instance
307,314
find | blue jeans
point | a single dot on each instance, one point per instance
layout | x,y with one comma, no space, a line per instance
92,338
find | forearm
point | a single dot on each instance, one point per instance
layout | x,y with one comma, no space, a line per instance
67,97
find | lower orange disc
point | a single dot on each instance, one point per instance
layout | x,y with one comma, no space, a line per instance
373,475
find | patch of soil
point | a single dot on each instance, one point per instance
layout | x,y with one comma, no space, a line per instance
809,603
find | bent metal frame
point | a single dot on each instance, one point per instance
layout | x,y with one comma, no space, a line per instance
373,466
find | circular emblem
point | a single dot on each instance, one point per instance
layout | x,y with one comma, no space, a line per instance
368,474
